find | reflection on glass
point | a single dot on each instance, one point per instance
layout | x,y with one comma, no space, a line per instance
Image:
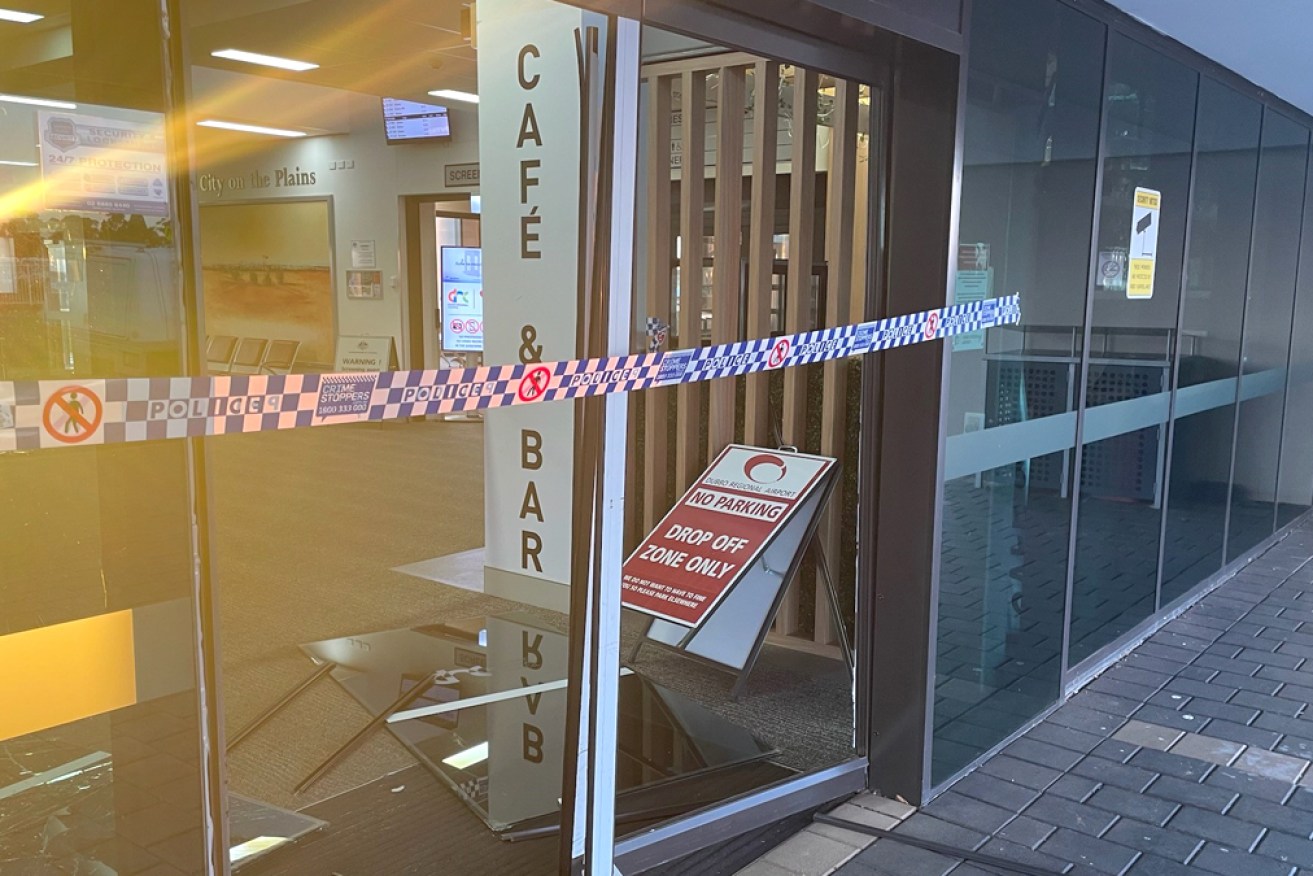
1295,488
99,755
1027,209
428,562
1268,316
459,706
1149,132
1226,166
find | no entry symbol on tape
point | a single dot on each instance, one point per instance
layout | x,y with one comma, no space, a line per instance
778,353
534,383
72,414
931,325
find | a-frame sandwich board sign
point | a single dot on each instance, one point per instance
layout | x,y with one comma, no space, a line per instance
713,573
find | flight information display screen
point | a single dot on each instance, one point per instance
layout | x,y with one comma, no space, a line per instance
408,120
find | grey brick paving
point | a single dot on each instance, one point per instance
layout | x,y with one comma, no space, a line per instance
1000,792
1152,865
1170,844
1114,773
1026,831
1190,756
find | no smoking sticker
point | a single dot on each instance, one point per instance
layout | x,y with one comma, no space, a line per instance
72,414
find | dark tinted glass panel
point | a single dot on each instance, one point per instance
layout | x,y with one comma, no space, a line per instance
1277,217
1027,210
1295,485
1226,166
1151,109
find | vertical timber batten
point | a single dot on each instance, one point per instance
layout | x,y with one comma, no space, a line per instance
727,288
692,192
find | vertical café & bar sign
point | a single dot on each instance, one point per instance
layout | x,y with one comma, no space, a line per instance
529,142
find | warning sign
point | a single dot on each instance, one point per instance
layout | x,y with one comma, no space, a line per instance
1144,244
534,383
72,414
702,548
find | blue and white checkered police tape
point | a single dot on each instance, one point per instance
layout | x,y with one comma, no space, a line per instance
68,413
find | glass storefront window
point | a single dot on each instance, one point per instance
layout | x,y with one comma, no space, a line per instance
1148,139
1295,486
1226,167
1268,316
413,202
99,720
1034,86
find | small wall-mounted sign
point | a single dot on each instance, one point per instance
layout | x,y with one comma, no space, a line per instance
363,254
461,175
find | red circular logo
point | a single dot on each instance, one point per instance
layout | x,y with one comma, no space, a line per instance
765,468
534,383
932,324
778,353
472,327
72,414
457,326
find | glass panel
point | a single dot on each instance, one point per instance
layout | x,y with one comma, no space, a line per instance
99,728
778,209
1295,490
417,567
1027,207
1146,181
1226,167
1268,317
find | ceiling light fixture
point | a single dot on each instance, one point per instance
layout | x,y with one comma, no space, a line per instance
466,96
37,101
250,129
264,60
19,17
17,163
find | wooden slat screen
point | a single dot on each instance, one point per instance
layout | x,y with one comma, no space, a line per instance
743,278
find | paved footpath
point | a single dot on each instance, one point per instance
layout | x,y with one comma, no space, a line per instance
1190,756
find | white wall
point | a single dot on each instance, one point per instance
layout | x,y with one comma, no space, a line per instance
365,177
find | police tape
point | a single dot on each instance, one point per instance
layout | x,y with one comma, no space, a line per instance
67,413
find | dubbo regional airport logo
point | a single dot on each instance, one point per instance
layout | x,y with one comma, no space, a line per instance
765,468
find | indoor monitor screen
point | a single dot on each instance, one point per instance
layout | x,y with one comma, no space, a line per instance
409,120
462,298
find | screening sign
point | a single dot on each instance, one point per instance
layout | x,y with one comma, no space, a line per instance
716,531
1144,243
